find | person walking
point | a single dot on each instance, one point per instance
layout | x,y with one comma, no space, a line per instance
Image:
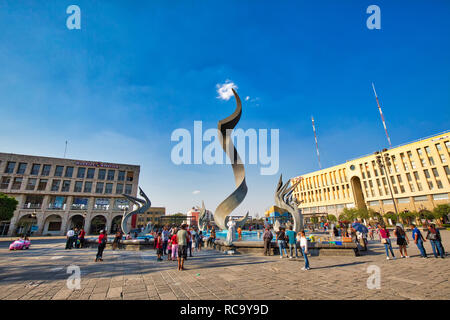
385,235
239,231
159,246
434,236
419,240
304,248
292,242
212,237
182,238
116,241
402,241
281,241
165,239
174,243
69,237
81,236
267,237
199,240
189,244
102,239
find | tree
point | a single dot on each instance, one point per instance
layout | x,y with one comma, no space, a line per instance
407,217
440,212
391,216
331,218
7,207
349,214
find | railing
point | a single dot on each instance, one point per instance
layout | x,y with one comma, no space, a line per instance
78,207
4,185
53,206
32,206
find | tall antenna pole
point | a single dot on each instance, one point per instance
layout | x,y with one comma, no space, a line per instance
65,150
382,117
317,145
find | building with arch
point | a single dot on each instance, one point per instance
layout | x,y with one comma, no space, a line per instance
55,194
417,179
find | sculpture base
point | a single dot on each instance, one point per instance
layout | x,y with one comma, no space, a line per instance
133,245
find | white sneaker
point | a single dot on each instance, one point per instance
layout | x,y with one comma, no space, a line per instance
387,258
281,257
304,269
406,256
290,257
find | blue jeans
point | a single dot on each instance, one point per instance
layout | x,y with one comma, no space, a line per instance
305,257
388,247
291,247
165,242
419,245
282,248
437,248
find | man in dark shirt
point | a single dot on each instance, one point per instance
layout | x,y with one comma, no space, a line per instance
267,237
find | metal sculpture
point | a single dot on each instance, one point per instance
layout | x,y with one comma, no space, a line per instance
224,127
285,200
202,218
143,206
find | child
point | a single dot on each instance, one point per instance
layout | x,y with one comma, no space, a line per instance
169,250
159,246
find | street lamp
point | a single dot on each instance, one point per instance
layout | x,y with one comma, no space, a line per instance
384,161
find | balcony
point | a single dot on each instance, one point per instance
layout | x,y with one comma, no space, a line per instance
103,208
78,207
56,206
4,185
32,206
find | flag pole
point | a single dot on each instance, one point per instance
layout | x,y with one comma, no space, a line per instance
382,117
317,145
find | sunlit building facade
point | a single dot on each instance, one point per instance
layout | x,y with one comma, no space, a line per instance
417,179
55,194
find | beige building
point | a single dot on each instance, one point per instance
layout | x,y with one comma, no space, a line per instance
418,176
55,194
152,215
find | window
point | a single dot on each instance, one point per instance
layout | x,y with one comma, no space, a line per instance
46,170
438,147
88,186
69,172
427,150
101,174
101,204
78,186
119,188
373,203
443,160
5,183
59,171
108,188
421,198
57,203
79,204
10,167
35,169
403,200
389,201
17,183
31,185
440,196
128,189
431,161
99,187
121,176
419,152
81,173
90,173
435,172
427,174
42,184
55,185
65,186
22,167
130,176
111,174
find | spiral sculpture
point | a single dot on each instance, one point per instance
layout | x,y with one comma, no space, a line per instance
223,210
143,206
285,200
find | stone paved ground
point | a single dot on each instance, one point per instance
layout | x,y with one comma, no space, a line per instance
40,273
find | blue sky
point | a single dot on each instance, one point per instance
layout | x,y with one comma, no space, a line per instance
117,88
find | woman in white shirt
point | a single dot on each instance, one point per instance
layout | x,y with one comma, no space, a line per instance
304,247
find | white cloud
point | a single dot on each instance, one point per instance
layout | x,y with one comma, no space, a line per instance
224,90
196,192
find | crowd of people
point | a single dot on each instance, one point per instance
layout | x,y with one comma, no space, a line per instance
75,238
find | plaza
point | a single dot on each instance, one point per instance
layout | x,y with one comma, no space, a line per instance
40,273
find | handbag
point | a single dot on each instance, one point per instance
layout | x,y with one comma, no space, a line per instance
384,240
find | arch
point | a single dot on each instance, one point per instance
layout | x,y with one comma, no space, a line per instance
24,224
358,194
52,224
98,223
115,223
76,221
